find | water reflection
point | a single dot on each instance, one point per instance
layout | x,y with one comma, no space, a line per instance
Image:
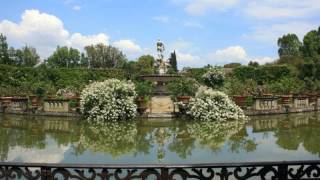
156,141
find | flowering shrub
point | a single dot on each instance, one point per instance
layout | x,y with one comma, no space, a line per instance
214,78
211,105
109,100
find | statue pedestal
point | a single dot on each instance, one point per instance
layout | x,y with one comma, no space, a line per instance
161,107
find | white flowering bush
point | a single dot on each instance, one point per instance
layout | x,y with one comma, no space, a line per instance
214,78
211,105
110,100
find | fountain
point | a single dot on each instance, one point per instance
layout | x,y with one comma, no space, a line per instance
161,104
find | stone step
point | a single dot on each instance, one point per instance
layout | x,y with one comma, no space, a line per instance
160,115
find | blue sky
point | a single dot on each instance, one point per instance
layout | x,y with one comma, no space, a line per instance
201,31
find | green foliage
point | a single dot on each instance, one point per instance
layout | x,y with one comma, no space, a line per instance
232,65
64,57
253,63
4,56
289,45
195,73
286,85
102,56
42,80
173,61
26,56
263,74
145,65
235,86
183,87
73,103
311,44
143,88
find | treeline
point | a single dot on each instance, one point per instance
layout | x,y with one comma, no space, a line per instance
23,73
93,56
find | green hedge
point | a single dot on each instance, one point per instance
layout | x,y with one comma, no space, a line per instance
25,81
263,74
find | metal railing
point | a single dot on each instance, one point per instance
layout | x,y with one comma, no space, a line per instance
224,171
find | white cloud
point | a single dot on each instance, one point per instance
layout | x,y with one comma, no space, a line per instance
79,41
200,7
162,19
271,33
129,47
269,9
187,60
45,32
37,29
228,55
193,24
234,54
51,154
76,8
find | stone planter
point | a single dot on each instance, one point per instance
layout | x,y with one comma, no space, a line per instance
34,101
286,99
184,99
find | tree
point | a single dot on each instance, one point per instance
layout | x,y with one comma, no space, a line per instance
27,56
64,57
311,44
253,63
4,56
232,65
102,56
289,45
173,61
145,65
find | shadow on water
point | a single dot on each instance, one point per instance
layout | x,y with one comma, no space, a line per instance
157,141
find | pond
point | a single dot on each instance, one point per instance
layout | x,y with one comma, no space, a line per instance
70,140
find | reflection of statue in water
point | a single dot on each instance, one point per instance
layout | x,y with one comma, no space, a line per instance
161,64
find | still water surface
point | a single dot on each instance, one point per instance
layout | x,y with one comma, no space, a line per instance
69,140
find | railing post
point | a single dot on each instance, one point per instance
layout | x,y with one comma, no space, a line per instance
164,173
283,171
45,173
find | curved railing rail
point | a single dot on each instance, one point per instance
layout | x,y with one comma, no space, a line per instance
248,170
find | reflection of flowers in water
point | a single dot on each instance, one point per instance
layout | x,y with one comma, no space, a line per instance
116,138
214,134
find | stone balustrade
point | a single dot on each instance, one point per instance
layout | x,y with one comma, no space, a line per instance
56,105
265,103
300,102
18,104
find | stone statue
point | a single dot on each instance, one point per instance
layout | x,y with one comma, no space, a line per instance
161,64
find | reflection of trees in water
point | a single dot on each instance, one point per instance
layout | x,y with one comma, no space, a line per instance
241,141
215,134
292,130
30,132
